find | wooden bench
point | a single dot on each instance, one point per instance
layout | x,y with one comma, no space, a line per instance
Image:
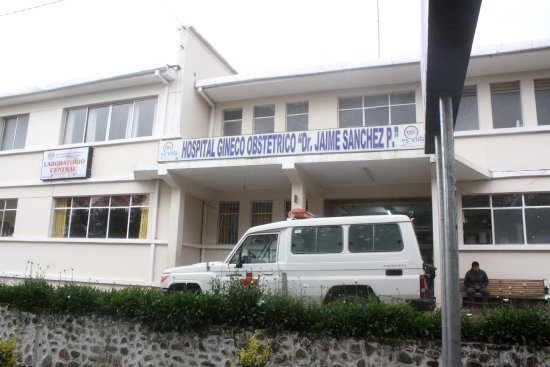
513,289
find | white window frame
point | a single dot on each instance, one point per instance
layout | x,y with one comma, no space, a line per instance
90,207
3,209
492,209
224,121
389,105
129,129
236,213
259,119
297,114
3,127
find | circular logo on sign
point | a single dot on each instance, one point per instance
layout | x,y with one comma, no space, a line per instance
168,147
411,132
51,155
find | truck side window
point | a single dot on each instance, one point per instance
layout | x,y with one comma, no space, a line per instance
375,238
317,240
257,249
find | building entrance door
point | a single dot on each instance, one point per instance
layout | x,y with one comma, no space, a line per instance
420,209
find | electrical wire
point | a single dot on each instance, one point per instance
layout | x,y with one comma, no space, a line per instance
31,8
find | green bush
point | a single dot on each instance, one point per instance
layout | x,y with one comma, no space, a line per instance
9,352
251,308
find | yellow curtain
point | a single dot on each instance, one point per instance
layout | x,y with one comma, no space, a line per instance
60,217
143,223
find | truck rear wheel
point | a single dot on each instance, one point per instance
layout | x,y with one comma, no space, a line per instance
185,287
350,293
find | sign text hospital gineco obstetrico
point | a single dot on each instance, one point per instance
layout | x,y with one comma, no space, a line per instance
357,139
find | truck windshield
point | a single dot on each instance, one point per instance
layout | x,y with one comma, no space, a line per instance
257,249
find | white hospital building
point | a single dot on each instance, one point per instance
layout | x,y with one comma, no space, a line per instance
112,180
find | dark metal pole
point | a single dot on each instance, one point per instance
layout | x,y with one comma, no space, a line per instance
450,310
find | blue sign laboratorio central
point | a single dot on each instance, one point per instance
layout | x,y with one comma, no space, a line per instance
361,139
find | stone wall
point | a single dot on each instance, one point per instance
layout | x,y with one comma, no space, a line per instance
92,341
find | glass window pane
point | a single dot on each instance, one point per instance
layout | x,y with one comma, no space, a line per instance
231,128
8,223
361,238
478,201
232,115
297,107
264,125
98,223
228,222
303,240
79,222
138,223
506,109
62,219
542,98
21,133
297,123
351,118
264,111
118,223
377,116
329,240
477,227
8,135
82,202
468,118
387,237
120,120
405,114
144,116
350,102
378,100
537,199
139,199
63,202
538,230
97,124
74,128
400,98
120,200
507,201
508,227
10,204
100,201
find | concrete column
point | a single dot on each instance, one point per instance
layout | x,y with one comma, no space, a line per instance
175,237
528,104
484,105
298,196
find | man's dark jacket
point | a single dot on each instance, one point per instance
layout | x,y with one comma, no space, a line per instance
472,279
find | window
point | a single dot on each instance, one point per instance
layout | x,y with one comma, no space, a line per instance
261,213
506,105
101,217
468,118
542,98
232,122
228,222
504,219
297,116
8,207
13,132
317,240
381,109
264,119
257,249
110,122
375,238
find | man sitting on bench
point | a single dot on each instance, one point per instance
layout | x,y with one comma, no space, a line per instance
476,281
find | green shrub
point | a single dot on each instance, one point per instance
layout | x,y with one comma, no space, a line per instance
254,354
252,307
9,352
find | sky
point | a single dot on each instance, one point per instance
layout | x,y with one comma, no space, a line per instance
69,40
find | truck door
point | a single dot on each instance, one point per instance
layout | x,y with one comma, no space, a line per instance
255,261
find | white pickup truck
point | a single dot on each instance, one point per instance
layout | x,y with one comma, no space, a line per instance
321,258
